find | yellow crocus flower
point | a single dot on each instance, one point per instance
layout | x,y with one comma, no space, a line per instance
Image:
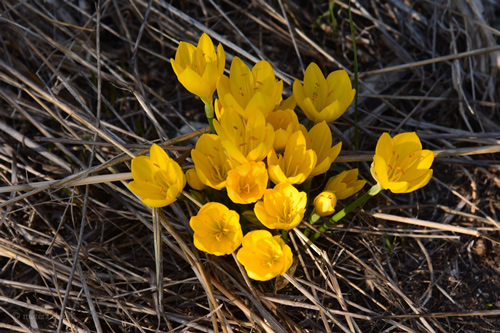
400,164
245,140
345,184
295,164
264,256
210,161
199,67
323,99
324,203
217,229
247,90
285,123
320,139
247,182
282,207
158,179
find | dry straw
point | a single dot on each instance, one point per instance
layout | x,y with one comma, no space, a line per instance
77,103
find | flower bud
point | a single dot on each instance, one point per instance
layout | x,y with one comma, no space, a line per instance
324,203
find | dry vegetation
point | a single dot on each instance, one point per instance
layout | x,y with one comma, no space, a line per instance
83,90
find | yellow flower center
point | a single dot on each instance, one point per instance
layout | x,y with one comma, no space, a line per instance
286,212
246,188
220,230
397,167
216,172
271,257
162,179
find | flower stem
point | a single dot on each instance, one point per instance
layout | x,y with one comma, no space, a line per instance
209,112
349,208
313,218
284,236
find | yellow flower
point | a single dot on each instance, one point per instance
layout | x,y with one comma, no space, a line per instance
323,99
324,203
264,256
210,161
247,182
345,184
217,229
285,123
158,179
282,207
247,90
245,140
295,164
320,138
199,67
193,180
400,164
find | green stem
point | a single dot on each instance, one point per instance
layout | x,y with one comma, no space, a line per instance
284,236
313,218
307,186
209,112
349,208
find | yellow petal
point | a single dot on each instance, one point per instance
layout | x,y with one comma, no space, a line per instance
420,182
142,170
145,189
207,47
288,258
398,187
276,174
221,59
158,203
385,146
242,82
331,112
183,56
223,86
379,171
298,92
339,87
408,138
159,157
314,82
194,180
260,101
195,84
210,161
310,110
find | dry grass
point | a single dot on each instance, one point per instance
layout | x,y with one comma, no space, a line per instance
82,91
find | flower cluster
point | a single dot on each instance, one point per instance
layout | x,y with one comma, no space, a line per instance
256,166
258,154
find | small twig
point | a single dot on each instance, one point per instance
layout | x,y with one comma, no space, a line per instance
433,225
431,61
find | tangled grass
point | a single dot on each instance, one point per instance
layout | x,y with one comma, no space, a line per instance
86,86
